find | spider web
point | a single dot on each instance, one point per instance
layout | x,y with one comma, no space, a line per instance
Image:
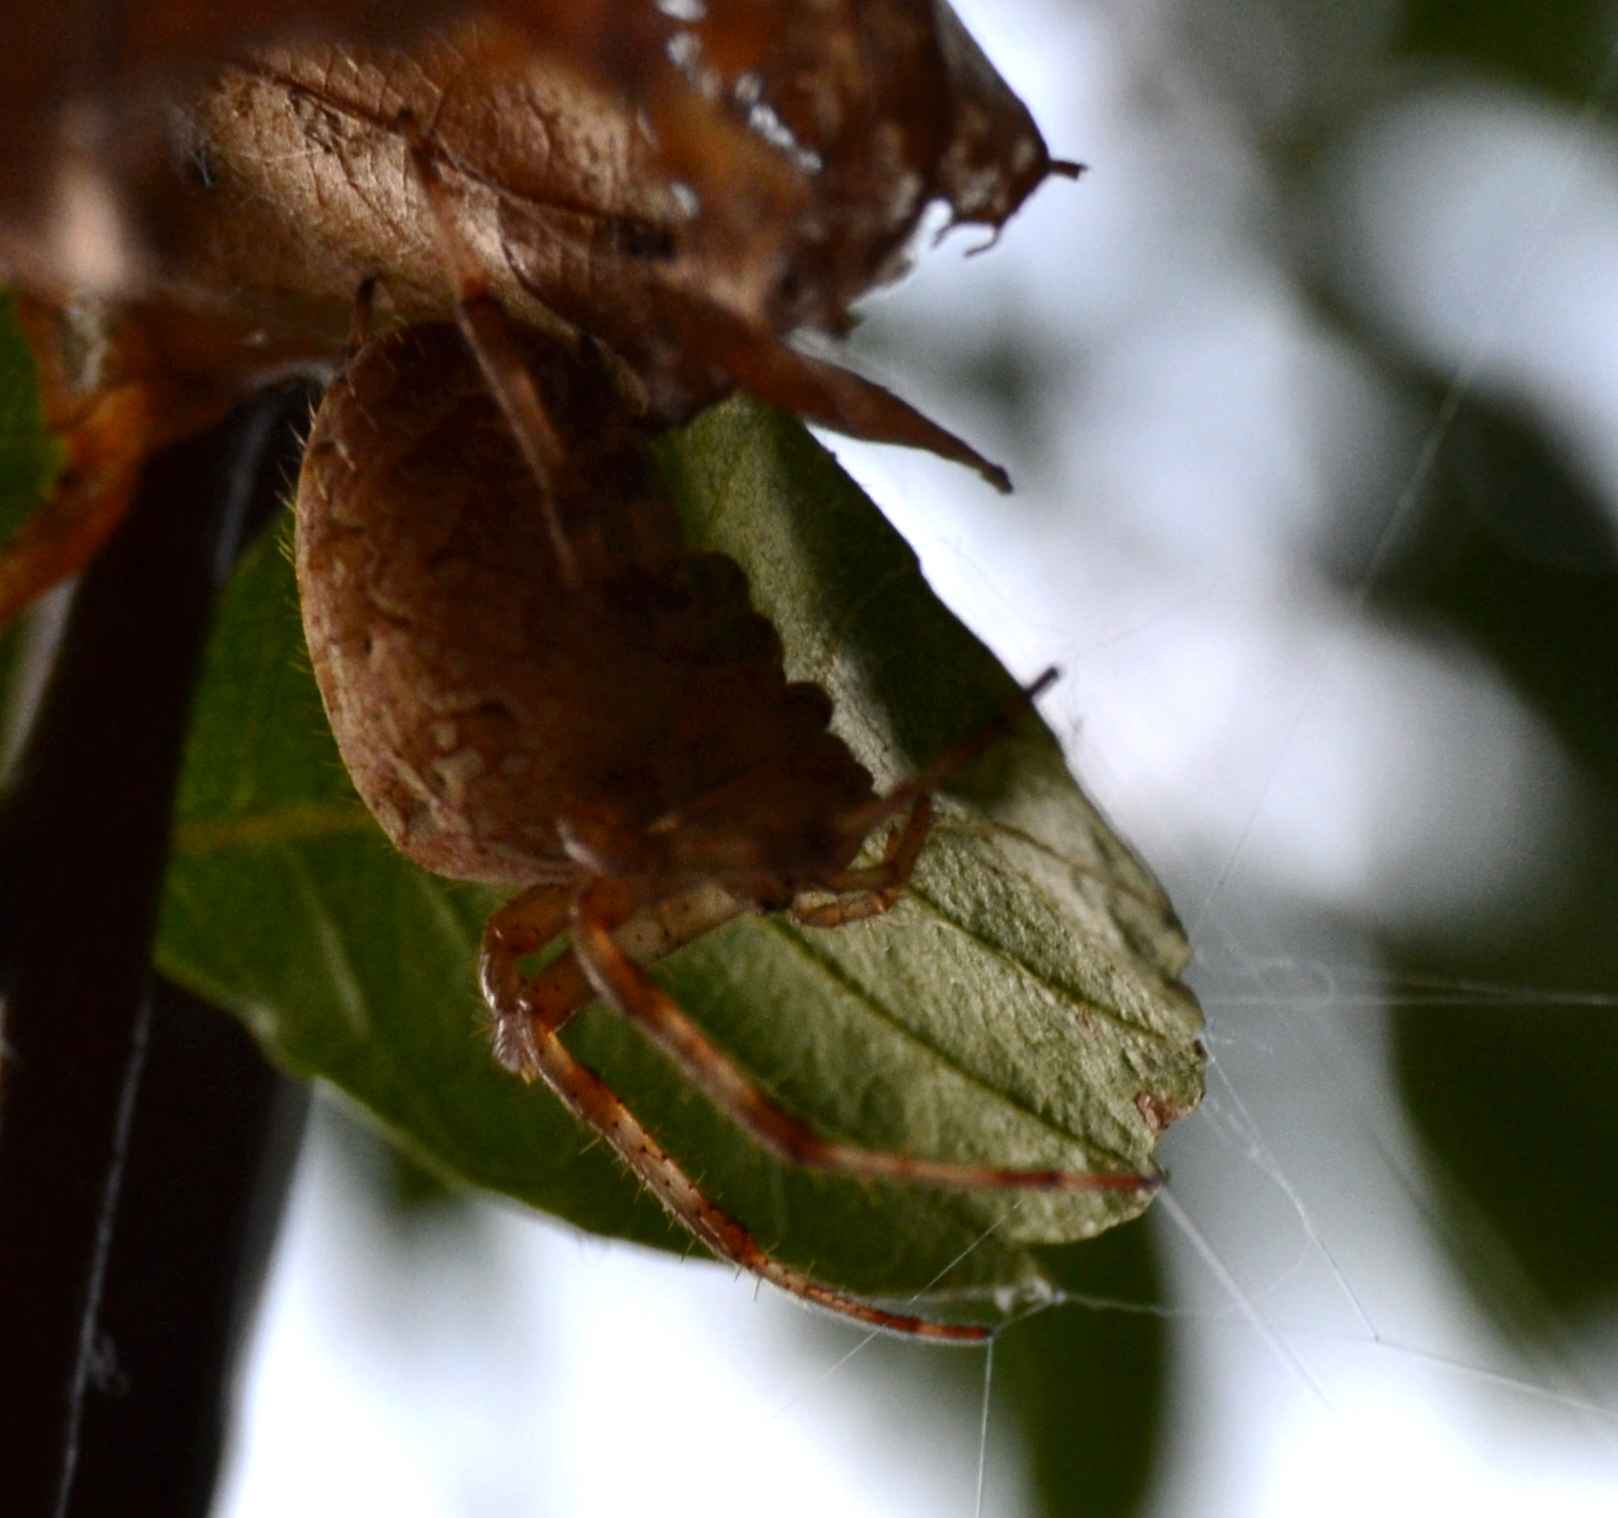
1300,1107
1300,1041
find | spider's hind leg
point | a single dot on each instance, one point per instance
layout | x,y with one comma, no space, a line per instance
525,1008
529,1013
593,1101
626,986
523,926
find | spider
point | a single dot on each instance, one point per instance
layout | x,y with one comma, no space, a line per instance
535,684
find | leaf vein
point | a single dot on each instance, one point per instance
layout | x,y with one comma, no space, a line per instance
885,1014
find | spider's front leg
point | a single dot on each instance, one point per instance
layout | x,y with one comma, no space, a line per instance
528,1016
594,1102
624,984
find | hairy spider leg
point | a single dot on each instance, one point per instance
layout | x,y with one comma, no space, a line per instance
530,1017
874,889
597,908
524,925
523,1007
861,819
590,1099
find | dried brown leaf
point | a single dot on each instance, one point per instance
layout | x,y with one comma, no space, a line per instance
687,192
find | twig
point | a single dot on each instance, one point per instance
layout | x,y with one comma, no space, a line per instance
84,828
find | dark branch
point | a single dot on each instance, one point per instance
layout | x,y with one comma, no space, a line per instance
84,828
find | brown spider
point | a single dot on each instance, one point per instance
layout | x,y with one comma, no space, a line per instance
533,683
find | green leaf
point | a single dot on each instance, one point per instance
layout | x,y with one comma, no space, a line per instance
30,458
30,455
1019,1006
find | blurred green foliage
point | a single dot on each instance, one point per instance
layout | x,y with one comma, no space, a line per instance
1511,555
29,455
1563,47
1515,557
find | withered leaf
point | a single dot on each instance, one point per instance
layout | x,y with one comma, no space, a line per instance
688,192
752,183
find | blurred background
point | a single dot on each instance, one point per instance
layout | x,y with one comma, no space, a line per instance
1310,390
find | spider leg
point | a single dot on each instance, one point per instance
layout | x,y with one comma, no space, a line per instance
617,978
875,887
528,1016
861,819
592,1101
489,335
523,925
525,1007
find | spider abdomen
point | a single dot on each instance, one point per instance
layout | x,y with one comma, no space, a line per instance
475,698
